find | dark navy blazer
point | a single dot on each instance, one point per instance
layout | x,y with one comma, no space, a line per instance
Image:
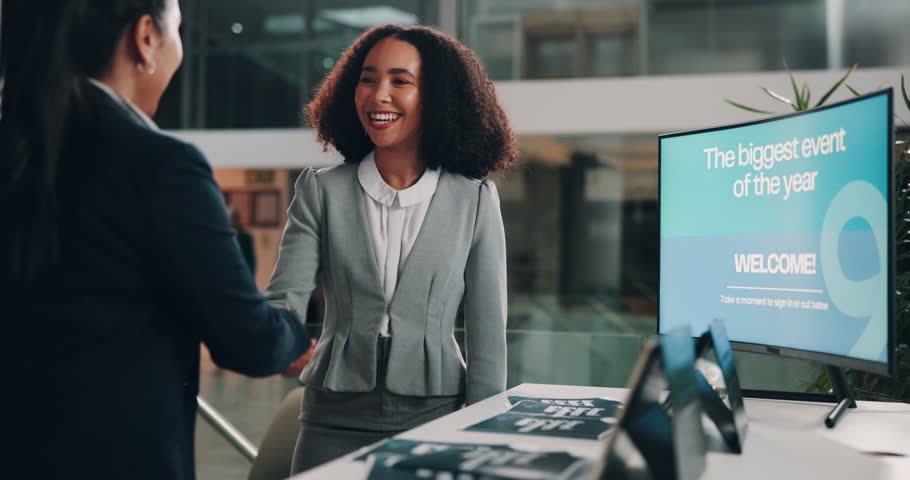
103,351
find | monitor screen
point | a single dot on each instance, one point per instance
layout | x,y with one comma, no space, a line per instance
783,229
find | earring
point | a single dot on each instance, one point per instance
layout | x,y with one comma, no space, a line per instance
140,67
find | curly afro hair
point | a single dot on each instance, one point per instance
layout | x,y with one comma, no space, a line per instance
464,130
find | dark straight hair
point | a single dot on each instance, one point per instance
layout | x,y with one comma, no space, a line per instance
47,49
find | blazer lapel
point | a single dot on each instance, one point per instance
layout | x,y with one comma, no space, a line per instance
432,243
361,235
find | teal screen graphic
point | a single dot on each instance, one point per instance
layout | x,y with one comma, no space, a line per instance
781,229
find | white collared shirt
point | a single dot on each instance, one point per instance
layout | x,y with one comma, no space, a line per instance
128,105
394,218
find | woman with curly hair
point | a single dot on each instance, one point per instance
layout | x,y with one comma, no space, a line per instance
403,237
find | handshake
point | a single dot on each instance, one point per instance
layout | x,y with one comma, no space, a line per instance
302,361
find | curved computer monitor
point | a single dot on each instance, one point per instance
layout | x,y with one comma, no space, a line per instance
783,228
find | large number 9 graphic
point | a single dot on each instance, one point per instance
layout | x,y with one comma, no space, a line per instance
863,298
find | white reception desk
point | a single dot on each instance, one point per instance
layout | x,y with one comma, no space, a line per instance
786,439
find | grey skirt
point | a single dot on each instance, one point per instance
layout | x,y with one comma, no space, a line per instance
333,424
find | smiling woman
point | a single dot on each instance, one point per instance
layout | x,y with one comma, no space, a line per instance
402,235
387,99
464,129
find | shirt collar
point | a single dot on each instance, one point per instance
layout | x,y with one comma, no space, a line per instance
132,109
381,192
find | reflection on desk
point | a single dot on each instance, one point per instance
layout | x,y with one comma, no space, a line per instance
786,439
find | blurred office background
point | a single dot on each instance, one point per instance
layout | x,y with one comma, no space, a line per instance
588,84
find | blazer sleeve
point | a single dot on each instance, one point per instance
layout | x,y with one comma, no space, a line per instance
485,301
294,278
204,269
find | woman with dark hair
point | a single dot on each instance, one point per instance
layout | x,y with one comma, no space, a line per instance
404,237
117,257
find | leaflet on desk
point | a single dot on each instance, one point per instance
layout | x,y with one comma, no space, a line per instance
398,448
587,418
562,407
569,427
406,459
570,402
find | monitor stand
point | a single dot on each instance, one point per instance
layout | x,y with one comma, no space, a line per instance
842,393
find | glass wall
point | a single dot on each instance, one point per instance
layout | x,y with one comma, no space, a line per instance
529,39
581,230
254,64
875,33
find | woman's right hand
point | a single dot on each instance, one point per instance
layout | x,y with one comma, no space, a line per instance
302,361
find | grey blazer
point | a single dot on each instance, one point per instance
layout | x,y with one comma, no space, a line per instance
458,259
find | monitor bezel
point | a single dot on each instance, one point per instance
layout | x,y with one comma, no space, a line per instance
881,368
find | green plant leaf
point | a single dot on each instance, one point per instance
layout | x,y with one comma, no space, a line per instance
854,92
799,98
750,109
824,98
806,96
792,81
904,91
801,103
777,96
